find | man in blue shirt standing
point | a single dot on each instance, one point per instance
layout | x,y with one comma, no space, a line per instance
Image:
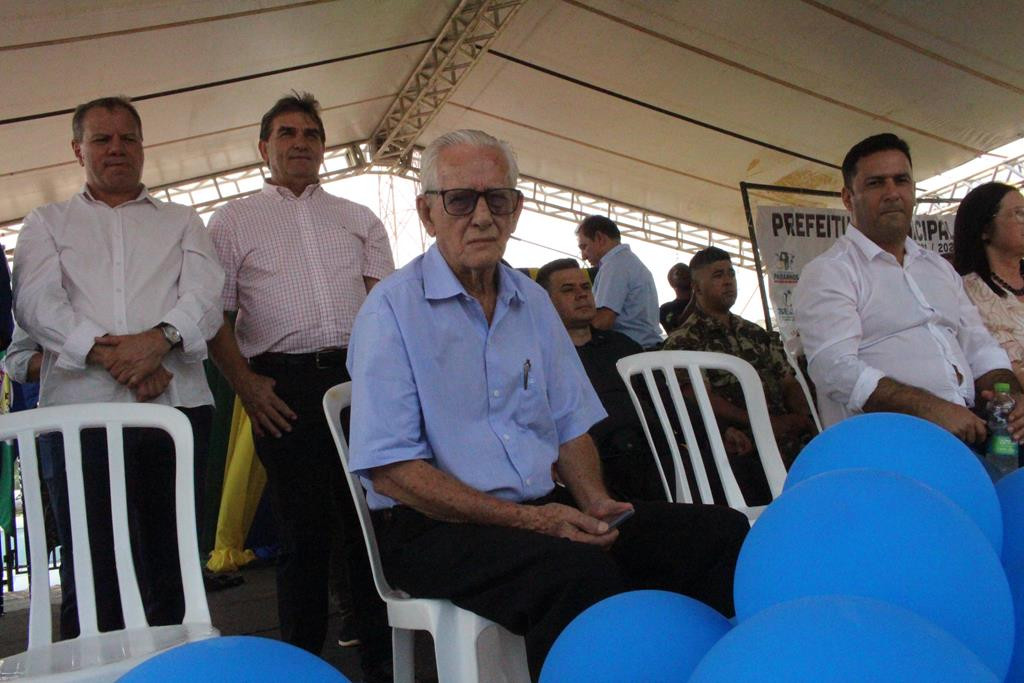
467,396
627,300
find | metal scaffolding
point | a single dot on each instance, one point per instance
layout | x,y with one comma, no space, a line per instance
1009,171
207,193
633,222
569,204
469,31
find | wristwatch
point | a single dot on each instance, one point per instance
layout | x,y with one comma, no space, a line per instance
171,334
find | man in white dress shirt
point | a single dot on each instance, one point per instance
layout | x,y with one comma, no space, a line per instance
885,323
122,291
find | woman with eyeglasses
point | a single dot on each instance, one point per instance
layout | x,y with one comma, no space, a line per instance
988,248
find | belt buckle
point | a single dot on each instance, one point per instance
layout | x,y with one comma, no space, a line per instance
316,358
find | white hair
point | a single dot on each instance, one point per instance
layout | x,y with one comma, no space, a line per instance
475,138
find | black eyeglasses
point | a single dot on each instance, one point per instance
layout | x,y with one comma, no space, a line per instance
461,201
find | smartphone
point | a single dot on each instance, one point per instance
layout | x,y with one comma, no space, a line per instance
615,523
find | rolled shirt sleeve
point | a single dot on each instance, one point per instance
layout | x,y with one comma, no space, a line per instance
19,354
41,305
830,330
197,313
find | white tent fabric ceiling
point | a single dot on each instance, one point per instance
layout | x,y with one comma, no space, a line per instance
662,105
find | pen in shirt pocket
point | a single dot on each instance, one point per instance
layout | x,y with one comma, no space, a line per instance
526,374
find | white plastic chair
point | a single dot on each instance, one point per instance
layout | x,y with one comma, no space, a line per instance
794,349
467,647
96,656
666,363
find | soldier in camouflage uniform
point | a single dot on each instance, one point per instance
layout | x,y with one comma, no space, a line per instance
711,327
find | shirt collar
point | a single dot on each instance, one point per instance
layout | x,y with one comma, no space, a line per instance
439,281
872,250
615,250
143,196
281,193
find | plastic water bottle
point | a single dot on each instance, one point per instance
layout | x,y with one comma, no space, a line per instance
1002,450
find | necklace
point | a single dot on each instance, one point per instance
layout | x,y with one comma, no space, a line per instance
1016,291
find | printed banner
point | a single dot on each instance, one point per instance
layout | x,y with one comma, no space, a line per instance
788,238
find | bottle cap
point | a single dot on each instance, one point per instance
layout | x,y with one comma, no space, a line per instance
1002,387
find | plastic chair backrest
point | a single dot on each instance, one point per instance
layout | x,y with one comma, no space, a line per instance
666,364
337,399
69,420
794,363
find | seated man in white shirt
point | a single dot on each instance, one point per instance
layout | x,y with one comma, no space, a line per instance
885,323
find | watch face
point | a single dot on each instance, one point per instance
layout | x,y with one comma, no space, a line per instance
171,334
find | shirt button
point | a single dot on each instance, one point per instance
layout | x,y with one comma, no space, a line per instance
497,393
505,436
529,480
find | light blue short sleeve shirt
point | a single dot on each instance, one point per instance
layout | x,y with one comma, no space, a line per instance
625,286
487,404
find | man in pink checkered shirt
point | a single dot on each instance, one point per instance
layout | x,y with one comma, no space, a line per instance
298,264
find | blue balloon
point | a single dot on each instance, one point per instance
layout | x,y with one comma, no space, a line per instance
234,658
885,536
638,636
1011,499
840,638
1015,574
912,447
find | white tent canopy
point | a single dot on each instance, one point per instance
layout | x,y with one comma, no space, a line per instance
662,105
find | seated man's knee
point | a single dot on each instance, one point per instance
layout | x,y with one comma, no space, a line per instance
589,569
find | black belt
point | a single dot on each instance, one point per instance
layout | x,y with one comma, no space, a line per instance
321,359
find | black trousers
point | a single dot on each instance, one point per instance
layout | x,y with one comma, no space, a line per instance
149,478
311,503
534,585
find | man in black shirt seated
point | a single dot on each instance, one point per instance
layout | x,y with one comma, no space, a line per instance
626,460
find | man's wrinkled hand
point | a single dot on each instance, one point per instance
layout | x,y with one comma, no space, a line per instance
607,509
267,412
563,521
153,385
134,356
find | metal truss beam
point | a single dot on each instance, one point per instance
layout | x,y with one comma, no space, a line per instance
635,222
466,36
207,193
1009,171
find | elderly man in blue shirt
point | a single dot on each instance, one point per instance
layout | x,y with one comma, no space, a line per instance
469,400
